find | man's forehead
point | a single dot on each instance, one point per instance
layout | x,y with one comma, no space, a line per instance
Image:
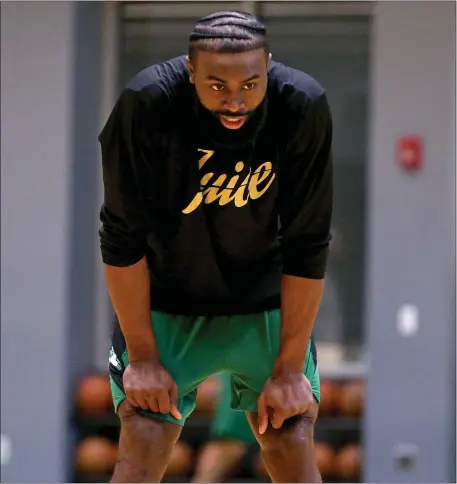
243,65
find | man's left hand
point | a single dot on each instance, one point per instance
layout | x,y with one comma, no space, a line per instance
284,395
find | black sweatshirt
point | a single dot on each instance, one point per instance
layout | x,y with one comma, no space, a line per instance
220,214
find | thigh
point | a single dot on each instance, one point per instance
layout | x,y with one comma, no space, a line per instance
145,446
187,350
253,355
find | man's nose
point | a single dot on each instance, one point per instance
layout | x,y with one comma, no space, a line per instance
234,104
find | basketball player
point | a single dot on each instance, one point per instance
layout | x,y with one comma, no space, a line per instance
201,157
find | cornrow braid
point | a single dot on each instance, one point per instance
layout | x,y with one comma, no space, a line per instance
229,31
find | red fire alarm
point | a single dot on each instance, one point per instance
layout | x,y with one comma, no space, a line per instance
409,152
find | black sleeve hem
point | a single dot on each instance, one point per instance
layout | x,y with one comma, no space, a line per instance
306,258
316,273
312,266
116,261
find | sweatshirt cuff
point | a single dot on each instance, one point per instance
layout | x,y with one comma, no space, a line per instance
117,258
302,261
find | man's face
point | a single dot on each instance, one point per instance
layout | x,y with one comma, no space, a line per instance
231,86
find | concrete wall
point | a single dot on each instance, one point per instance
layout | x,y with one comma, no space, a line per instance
411,220
49,116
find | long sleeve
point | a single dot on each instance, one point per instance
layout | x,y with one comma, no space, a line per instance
306,193
124,218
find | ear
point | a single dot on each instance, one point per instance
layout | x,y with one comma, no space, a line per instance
190,68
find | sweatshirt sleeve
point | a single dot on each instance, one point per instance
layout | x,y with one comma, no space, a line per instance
306,192
123,214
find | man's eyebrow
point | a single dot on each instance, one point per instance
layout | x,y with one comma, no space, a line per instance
252,78
222,81
217,79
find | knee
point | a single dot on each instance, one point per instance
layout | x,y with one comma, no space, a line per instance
296,433
143,434
126,410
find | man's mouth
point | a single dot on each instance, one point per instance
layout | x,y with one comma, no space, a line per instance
232,122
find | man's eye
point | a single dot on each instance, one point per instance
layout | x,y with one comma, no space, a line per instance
249,86
217,87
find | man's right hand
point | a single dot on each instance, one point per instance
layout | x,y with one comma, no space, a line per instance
148,385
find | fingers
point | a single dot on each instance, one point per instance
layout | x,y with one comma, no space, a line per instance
132,400
158,402
143,399
153,405
262,414
283,411
276,401
279,415
150,387
167,402
284,401
138,400
163,400
147,402
174,411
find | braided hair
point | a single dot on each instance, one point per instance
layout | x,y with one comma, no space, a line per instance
228,32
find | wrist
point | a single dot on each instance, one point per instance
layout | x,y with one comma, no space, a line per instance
136,357
292,354
288,364
142,351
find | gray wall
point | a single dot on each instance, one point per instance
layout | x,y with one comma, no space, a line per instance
411,220
49,115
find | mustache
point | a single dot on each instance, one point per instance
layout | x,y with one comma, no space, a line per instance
238,114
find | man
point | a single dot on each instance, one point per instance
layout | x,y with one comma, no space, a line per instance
230,440
201,157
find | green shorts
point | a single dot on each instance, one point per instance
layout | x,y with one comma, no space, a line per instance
230,424
194,348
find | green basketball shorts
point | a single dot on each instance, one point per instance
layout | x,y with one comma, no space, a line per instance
229,424
192,348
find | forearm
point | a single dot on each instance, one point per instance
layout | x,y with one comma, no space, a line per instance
300,301
129,289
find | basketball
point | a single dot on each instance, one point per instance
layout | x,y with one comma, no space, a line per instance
94,395
349,462
325,459
96,455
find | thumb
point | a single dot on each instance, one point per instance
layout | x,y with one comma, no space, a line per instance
262,414
174,411
277,419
